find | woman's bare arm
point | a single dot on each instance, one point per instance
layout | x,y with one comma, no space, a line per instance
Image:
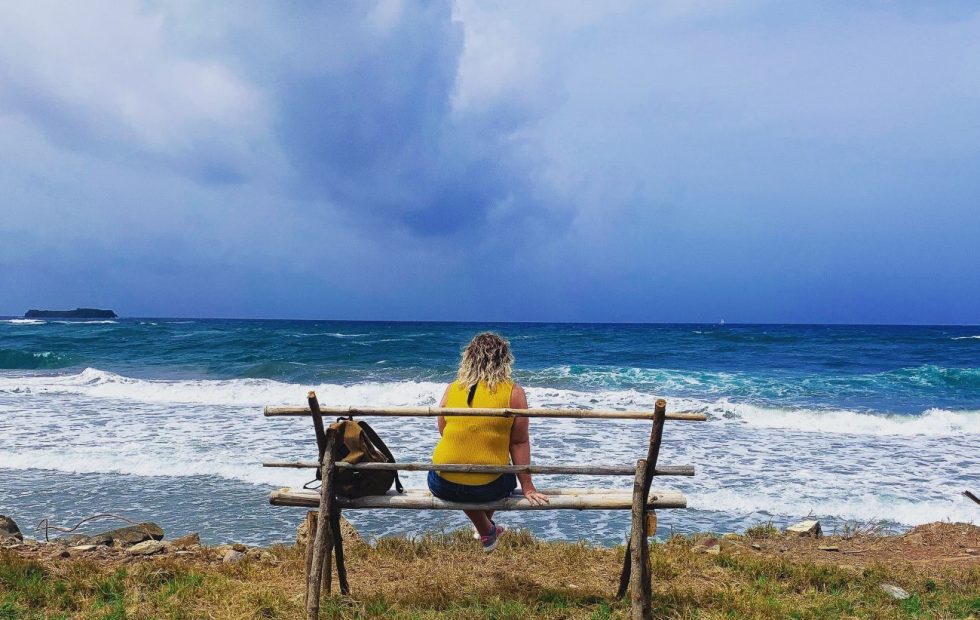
520,447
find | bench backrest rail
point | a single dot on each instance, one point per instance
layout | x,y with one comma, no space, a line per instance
423,412
580,470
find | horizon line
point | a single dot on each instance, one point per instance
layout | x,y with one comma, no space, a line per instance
721,323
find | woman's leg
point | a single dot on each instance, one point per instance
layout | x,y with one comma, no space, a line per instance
504,486
480,521
450,492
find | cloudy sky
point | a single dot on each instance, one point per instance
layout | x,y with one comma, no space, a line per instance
752,160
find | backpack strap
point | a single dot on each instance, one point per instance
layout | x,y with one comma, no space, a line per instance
380,445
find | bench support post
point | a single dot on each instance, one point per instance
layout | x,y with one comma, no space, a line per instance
312,523
637,554
653,453
319,573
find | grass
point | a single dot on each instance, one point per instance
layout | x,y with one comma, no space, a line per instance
763,531
448,577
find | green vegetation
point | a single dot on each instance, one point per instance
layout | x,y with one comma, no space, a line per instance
447,576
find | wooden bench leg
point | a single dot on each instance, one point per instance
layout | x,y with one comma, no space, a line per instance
653,453
311,527
323,541
639,593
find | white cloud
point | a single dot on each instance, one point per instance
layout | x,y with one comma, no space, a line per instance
106,73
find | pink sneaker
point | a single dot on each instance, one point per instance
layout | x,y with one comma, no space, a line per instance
489,541
476,532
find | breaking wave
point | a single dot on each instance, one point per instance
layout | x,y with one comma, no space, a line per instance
100,384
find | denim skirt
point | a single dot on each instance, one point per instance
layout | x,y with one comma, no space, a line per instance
452,492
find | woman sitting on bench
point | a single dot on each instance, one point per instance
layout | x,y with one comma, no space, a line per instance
483,381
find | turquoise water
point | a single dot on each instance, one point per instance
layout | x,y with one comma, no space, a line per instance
161,418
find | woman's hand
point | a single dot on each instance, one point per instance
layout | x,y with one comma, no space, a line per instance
534,498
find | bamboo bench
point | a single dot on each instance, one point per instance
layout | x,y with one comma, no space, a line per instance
641,501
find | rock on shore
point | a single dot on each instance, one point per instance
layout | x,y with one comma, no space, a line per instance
347,531
9,529
809,528
130,535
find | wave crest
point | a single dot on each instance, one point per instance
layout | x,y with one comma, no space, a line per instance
933,422
100,384
13,359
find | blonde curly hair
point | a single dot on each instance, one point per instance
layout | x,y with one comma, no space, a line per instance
486,358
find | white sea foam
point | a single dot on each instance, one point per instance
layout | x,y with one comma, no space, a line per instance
932,422
862,507
750,459
23,321
99,384
96,383
837,498
105,322
967,337
114,460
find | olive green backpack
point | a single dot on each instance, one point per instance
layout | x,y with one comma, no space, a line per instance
360,444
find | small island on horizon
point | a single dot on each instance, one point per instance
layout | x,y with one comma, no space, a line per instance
77,313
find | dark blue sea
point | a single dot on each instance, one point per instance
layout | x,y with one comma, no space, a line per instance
161,419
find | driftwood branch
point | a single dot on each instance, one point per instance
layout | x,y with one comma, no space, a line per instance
45,524
972,496
319,574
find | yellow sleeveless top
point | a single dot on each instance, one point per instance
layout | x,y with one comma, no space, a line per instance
475,440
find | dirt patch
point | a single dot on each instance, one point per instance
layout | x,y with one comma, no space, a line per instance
930,548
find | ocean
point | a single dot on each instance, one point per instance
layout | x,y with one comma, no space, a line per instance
161,419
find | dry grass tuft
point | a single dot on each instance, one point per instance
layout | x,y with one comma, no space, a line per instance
448,576
763,531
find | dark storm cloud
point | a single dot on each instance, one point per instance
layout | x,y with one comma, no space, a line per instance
354,99
361,108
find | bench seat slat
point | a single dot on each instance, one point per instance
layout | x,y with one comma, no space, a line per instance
563,499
